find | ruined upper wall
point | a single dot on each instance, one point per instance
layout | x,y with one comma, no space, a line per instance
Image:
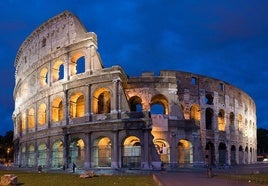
58,32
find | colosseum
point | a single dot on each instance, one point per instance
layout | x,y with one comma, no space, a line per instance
69,109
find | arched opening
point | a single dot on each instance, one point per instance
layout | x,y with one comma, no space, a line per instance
221,122
77,105
210,153
241,155
209,118
185,152
159,105
23,157
42,155
23,122
31,123
222,154
57,154
163,150
102,101
131,155
77,152
246,155
239,120
232,118
43,77
80,65
31,156
195,112
209,99
233,155
77,64
57,71
135,104
102,152
42,114
57,110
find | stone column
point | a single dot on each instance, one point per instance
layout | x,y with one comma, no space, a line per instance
87,163
89,105
145,151
115,150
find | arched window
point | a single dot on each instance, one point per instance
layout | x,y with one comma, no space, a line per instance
31,117
195,112
57,110
221,122
239,120
232,118
102,101
209,118
57,72
77,105
135,104
159,104
42,114
43,77
209,99
77,64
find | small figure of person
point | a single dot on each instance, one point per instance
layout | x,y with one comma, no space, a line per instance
39,169
74,167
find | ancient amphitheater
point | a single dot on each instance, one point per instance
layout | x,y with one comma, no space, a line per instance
69,108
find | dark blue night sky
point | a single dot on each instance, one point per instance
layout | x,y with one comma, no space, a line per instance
224,39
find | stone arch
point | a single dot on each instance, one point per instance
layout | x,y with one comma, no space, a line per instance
240,124
31,118
102,101
163,150
221,120
42,155
77,64
195,112
222,149
209,99
57,154
42,114
246,155
57,110
23,122
43,79
102,152
77,105
210,153
233,155
77,152
209,118
135,103
231,118
241,155
185,152
159,104
57,71
23,162
131,152
31,155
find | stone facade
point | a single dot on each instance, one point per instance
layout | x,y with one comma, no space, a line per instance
70,109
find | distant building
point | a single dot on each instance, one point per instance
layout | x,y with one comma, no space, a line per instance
99,117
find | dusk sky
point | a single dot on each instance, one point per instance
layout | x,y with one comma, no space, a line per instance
223,39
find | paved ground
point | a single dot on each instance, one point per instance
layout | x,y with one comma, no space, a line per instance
195,179
199,177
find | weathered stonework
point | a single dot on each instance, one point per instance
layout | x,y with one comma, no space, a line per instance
99,117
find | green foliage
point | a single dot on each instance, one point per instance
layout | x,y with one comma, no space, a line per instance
47,179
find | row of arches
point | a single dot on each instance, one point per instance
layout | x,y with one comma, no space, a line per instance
245,126
231,156
101,153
